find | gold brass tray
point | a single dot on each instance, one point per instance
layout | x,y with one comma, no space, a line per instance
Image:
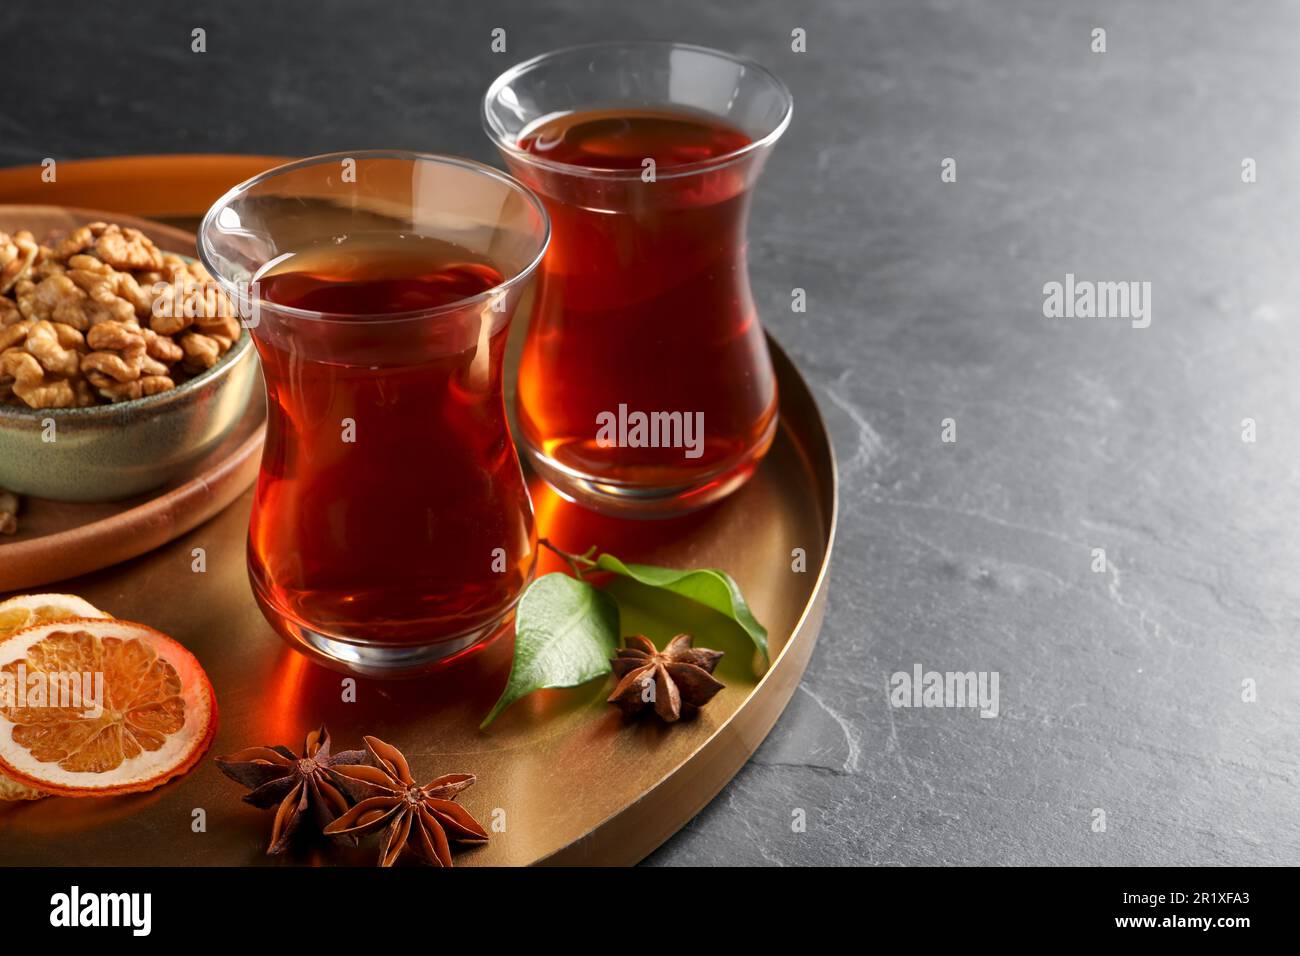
562,779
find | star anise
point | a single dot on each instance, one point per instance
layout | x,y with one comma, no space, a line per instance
277,776
677,676
421,819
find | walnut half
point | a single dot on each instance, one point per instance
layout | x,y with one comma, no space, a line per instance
8,512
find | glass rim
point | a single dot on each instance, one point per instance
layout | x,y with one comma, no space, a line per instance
207,225
507,145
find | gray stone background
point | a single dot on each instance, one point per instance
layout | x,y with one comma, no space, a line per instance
1120,690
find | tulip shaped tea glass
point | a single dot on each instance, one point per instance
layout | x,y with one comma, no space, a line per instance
645,385
391,526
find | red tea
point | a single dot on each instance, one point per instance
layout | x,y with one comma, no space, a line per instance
625,139
644,307
390,506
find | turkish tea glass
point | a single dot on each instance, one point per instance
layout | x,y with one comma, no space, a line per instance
645,384
391,527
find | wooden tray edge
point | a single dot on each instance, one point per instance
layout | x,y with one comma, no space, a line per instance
113,183
100,544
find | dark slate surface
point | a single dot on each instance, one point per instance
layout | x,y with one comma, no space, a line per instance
1120,690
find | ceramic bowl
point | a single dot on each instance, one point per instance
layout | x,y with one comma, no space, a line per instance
110,452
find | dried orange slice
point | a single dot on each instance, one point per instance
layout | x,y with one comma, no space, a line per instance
13,790
28,609
108,707
24,611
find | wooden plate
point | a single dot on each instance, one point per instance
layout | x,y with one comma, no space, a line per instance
161,187
561,778
57,540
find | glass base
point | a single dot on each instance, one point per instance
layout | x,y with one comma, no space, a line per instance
639,501
366,659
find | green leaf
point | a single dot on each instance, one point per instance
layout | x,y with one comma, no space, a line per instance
707,586
565,633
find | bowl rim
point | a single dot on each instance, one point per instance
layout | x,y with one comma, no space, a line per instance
240,348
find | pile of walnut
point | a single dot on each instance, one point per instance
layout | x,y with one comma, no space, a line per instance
104,316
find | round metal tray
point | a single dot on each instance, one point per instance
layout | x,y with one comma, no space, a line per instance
562,779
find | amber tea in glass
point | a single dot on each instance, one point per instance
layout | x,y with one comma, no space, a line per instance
645,385
391,526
